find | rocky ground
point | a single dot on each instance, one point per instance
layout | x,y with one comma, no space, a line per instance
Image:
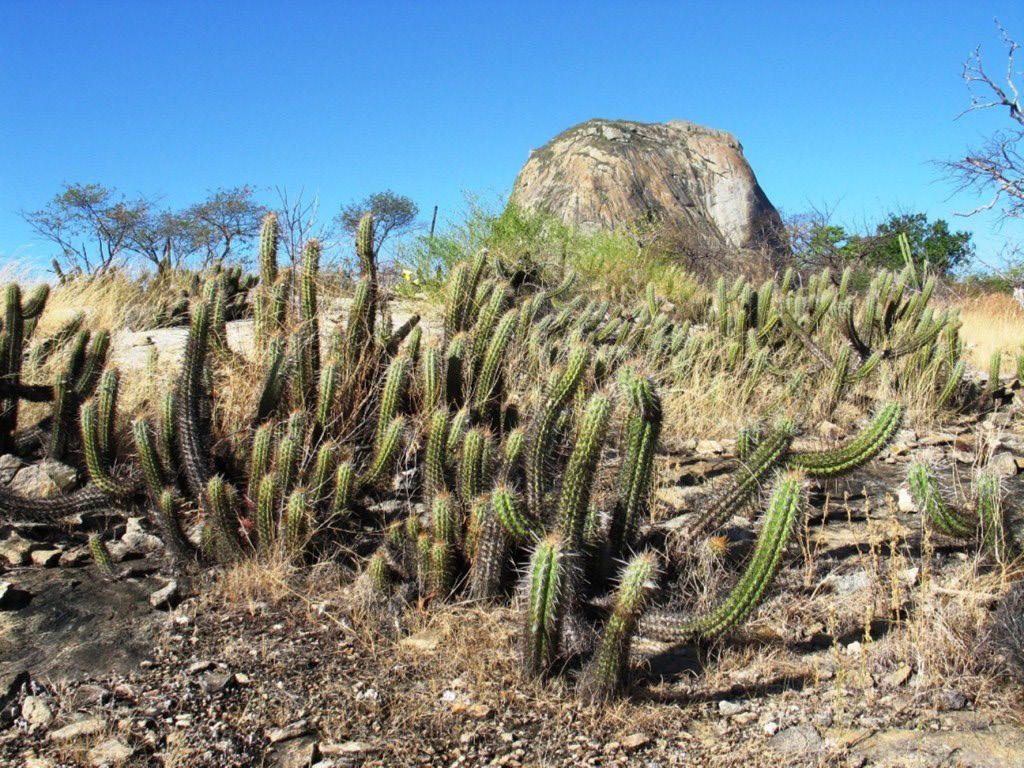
865,655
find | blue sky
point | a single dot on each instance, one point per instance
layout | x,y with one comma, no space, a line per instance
836,104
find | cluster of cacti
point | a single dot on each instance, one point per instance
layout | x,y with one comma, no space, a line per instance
980,518
177,290
78,358
891,327
528,433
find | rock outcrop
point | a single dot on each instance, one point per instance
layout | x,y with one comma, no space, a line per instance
608,174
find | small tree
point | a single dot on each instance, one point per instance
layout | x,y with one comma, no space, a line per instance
93,225
393,214
223,222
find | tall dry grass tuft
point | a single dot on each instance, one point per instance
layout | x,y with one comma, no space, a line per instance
992,322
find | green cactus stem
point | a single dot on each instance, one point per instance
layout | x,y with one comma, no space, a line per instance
221,517
490,554
605,674
548,597
862,449
945,518
643,429
512,514
784,509
540,445
385,456
168,523
101,556
193,447
95,463
296,522
344,484
62,415
579,472
145,449
266,512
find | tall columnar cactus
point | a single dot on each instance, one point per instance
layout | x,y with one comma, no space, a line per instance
542,430
605,673
643,428
309,329
487,379
549,594
578,478
434,454
192,448
784,509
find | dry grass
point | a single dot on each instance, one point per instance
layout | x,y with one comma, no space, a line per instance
992,323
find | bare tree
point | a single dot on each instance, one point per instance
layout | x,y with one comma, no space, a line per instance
298,217
996,168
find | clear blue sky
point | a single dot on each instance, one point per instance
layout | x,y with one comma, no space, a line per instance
835,103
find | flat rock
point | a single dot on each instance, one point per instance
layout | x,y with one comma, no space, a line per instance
798,739
1003,465
165,597
109,752
46,558
36,712
16,550
78,626
997,747
87,726
295,753
9,466
33,480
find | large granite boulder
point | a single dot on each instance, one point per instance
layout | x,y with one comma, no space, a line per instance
607,174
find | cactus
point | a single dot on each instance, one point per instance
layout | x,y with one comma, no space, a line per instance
296,522
192,449
605,673
101,556
95,462
766,457
512,515
308,369
106,412
493,358
579,473
221,517
61,416
783,510
868,444
384,457
988,507
489,553
548,598
392,394
471,465
167,522
267,497
540,445
344,484
924,489
643,428
145,449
